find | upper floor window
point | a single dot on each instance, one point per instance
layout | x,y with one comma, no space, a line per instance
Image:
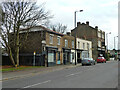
103,36
88,46
78,45
99,34
72,44
66,43
58,39
51,39
83,45
99,43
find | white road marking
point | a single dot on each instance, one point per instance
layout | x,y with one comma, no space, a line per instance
79,72
69,75
37,84
73,74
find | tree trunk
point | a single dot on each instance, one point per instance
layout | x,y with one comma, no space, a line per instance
11,57
17,48
17,55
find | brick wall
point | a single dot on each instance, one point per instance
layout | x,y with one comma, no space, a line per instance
33,42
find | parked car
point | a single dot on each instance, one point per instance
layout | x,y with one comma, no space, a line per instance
101,59
88,61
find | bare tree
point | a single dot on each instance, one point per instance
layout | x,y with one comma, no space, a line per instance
17,15
56,27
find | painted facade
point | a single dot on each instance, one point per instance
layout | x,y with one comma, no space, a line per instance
84,49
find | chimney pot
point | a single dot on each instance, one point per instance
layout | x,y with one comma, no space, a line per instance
83,23
96,27
78,23
68,33
87,22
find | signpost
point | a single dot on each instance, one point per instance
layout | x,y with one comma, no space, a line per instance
34,59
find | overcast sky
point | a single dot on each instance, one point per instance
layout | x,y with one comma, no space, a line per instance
101,13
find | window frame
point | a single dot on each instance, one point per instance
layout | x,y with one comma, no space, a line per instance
88,46
51,39
58,40
73,44
83,45
66,43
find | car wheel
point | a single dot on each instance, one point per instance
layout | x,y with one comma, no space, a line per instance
82,64
91,63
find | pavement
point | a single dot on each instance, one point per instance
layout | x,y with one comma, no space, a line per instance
34,71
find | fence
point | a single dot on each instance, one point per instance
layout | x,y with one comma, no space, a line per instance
26,59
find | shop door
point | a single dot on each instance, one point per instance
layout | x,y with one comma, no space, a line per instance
51,58
58,60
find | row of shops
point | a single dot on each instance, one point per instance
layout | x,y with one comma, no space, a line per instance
65,56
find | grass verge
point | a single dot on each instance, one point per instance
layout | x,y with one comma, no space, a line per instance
18,68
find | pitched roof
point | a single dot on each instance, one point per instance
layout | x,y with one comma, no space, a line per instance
44,28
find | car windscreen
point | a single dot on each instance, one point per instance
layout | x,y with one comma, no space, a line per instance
99,57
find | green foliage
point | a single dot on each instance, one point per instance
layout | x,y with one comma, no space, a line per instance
107,56
19,68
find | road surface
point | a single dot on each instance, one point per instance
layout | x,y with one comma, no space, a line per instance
102,75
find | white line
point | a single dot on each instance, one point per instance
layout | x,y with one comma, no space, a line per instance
37,84
70,75
91,69
79,72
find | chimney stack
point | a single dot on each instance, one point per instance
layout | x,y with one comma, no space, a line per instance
78,23
87,23
68,33
96,27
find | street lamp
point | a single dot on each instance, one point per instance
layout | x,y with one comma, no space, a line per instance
75,33
107,39
114,41
34,58
115,53
75,16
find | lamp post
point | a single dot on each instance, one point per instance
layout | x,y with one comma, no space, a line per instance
75,32
115,52
107,40
114,41
34,58
44,52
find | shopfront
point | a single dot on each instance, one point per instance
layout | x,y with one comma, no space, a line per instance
79,55
51,55
66,56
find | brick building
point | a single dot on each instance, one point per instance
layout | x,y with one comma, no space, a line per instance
68,49
85,31
56,48
44,42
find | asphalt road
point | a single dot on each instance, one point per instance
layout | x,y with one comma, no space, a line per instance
102,75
